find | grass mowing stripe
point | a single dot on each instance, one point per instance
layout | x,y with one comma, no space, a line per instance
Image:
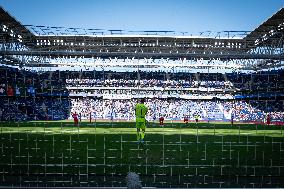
166,131
202,155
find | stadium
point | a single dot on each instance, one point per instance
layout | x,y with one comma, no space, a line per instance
221,96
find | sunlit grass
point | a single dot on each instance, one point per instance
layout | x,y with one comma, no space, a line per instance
129,128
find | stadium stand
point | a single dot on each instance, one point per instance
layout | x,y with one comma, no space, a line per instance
24,93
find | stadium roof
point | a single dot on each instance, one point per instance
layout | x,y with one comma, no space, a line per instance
52,42
269,31
14,26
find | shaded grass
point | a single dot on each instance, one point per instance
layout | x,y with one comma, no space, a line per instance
173,156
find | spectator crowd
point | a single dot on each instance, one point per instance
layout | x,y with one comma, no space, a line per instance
28,95
174,109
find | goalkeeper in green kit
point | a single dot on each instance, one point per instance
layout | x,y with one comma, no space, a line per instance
140,113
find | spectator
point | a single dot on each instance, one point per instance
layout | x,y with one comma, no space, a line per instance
10,91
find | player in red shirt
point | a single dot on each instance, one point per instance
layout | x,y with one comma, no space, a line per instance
10,91
185,120
161,119
232,118
75,117
268,119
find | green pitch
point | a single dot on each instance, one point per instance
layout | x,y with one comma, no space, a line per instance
176,155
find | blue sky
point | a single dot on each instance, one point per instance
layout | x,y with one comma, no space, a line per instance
176,15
